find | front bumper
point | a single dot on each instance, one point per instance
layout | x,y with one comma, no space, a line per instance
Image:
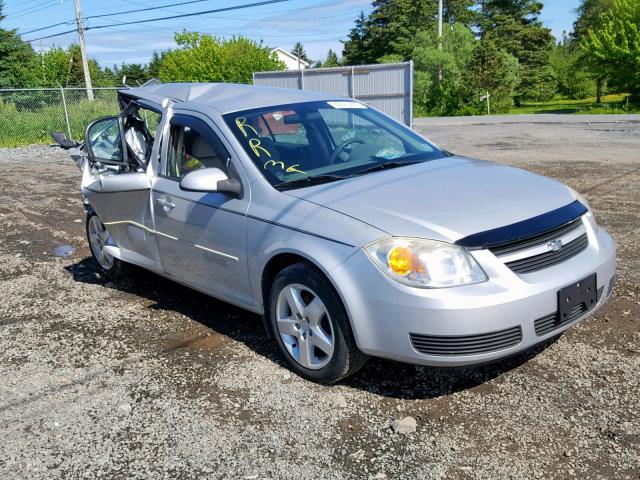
384,314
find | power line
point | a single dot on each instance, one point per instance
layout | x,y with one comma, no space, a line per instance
172,17
68,22
22,4
158,7
32,9
89,17
283,20
116,26
23,7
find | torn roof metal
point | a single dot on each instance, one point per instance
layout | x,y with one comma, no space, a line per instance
224,97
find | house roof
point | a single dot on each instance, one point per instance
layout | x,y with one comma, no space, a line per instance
290,55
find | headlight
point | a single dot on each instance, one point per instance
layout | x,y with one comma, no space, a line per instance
425,263
589,215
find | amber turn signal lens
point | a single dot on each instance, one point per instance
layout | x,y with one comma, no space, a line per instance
400,260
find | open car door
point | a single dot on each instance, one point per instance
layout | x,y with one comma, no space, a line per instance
116,185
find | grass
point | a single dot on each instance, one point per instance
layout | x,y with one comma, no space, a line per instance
28,120
610,104
20,125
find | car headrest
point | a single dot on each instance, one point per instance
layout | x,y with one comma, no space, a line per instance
201,149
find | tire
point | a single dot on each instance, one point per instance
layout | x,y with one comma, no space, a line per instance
305,335
110,266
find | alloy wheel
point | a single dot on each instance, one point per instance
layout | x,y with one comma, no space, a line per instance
98,238
304,326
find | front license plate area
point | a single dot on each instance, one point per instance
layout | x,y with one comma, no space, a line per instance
582,293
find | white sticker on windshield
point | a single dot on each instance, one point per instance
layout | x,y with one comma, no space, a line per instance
346,105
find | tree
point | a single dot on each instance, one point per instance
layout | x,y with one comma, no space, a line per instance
459,11
449,96
613,47
18,61
136,74
332,59
590,13
572,78
494,71
355,49
153,69
393,24
76,74
515,26
55,67
389,29
298,51
203,58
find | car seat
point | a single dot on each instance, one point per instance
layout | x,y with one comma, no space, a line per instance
207,156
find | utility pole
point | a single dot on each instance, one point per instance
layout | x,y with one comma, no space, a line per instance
440,36
83,52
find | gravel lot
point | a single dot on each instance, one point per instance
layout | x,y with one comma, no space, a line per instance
142,378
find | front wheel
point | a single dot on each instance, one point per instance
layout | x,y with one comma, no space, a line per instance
98,237
311,326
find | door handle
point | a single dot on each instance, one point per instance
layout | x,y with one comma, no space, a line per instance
166,204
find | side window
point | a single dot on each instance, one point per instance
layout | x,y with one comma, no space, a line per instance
193,148
105,141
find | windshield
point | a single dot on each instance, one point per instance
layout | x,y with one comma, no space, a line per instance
294,144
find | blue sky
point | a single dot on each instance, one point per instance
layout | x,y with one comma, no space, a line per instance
318,24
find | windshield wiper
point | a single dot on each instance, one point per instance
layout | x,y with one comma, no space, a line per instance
308,181
326,178
387,164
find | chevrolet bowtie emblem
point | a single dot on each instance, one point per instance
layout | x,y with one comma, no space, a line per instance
554,245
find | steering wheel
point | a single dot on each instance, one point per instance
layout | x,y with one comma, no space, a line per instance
340,148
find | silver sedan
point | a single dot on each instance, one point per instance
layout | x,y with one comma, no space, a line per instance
351,234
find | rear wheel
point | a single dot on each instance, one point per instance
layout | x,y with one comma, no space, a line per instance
311,327
98,237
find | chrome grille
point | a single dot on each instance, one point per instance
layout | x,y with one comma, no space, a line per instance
516,250
466,344
547,259
551,322
533,241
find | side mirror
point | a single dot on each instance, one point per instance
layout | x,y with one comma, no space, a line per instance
211,180
104,139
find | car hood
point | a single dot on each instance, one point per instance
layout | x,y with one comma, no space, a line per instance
444,199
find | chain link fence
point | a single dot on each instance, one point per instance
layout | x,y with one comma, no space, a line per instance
30,115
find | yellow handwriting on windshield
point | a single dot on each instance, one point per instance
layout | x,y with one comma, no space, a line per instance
255,145
241,123
273,163
290,169
293,169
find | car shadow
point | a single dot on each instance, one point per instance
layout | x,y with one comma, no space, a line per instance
391,379
381,377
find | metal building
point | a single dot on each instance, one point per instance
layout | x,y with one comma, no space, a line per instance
387,87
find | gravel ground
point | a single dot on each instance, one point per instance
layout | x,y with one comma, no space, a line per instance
142,378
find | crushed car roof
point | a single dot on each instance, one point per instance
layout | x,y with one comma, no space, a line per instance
224,97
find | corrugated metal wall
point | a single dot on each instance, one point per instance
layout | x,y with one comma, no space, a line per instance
387,87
